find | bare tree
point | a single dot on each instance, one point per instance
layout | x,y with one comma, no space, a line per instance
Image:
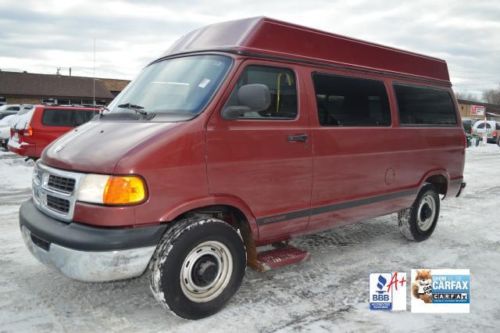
467,96
492,96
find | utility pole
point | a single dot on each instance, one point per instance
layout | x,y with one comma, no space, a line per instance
93,81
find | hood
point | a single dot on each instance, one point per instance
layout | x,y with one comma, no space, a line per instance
98,146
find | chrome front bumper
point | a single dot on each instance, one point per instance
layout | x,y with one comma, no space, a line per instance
85,252
90,266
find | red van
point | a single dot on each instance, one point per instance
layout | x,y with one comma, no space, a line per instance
245,134
37,128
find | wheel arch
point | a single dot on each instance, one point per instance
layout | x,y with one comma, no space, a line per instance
439,178
213,204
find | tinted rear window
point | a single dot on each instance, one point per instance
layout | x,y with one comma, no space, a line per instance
348,101
66,118
425,106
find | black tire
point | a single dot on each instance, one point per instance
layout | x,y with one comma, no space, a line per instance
418,222
204,251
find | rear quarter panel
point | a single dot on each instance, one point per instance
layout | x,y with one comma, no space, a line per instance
424,151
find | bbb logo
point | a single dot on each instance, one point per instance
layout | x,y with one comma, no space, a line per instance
382,295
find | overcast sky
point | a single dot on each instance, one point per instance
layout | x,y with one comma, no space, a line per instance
39,36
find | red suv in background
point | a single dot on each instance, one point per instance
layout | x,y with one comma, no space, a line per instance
36,129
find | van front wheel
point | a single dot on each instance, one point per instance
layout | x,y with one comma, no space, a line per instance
418,222
197,267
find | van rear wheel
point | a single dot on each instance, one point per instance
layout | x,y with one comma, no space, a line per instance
197,267
418,222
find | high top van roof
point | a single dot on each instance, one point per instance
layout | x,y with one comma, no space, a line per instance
268,37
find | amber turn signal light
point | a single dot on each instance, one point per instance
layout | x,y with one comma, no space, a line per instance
124,190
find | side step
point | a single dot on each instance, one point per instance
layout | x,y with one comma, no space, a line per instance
281,256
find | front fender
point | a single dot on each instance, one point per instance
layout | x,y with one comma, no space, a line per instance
226,200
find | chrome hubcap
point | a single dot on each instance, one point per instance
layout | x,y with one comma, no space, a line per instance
206,271
426,212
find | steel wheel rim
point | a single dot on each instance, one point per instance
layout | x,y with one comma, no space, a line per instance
207,255
426,212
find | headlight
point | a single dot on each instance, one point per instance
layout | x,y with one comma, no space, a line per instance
112,190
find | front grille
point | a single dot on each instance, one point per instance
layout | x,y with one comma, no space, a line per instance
58,204
61,183
54,191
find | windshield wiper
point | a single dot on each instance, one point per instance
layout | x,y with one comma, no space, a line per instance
138,109
134,107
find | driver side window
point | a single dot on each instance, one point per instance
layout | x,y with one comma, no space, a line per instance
282,87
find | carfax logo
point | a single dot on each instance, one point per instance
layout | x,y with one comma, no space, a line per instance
440,290
388,291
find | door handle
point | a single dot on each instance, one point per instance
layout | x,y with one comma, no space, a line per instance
297,138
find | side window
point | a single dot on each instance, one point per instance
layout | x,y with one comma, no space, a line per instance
282,86
81,117
13,108
425,106
497,126
61,118
347,101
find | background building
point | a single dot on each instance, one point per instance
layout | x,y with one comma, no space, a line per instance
31,88
476,110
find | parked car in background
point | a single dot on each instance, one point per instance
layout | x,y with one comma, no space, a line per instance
9,109
7,122
5,125
491,127
39,126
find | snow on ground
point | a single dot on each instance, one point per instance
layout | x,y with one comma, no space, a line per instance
327,293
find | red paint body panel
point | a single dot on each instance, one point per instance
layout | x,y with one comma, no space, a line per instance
104,216
267,36
98,146
280,187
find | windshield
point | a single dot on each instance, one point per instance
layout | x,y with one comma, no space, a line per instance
180,86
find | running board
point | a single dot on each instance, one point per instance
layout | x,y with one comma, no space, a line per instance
278,257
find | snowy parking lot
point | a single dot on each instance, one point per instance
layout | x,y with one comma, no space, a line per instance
327,293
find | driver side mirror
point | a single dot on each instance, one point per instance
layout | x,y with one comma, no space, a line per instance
253,97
